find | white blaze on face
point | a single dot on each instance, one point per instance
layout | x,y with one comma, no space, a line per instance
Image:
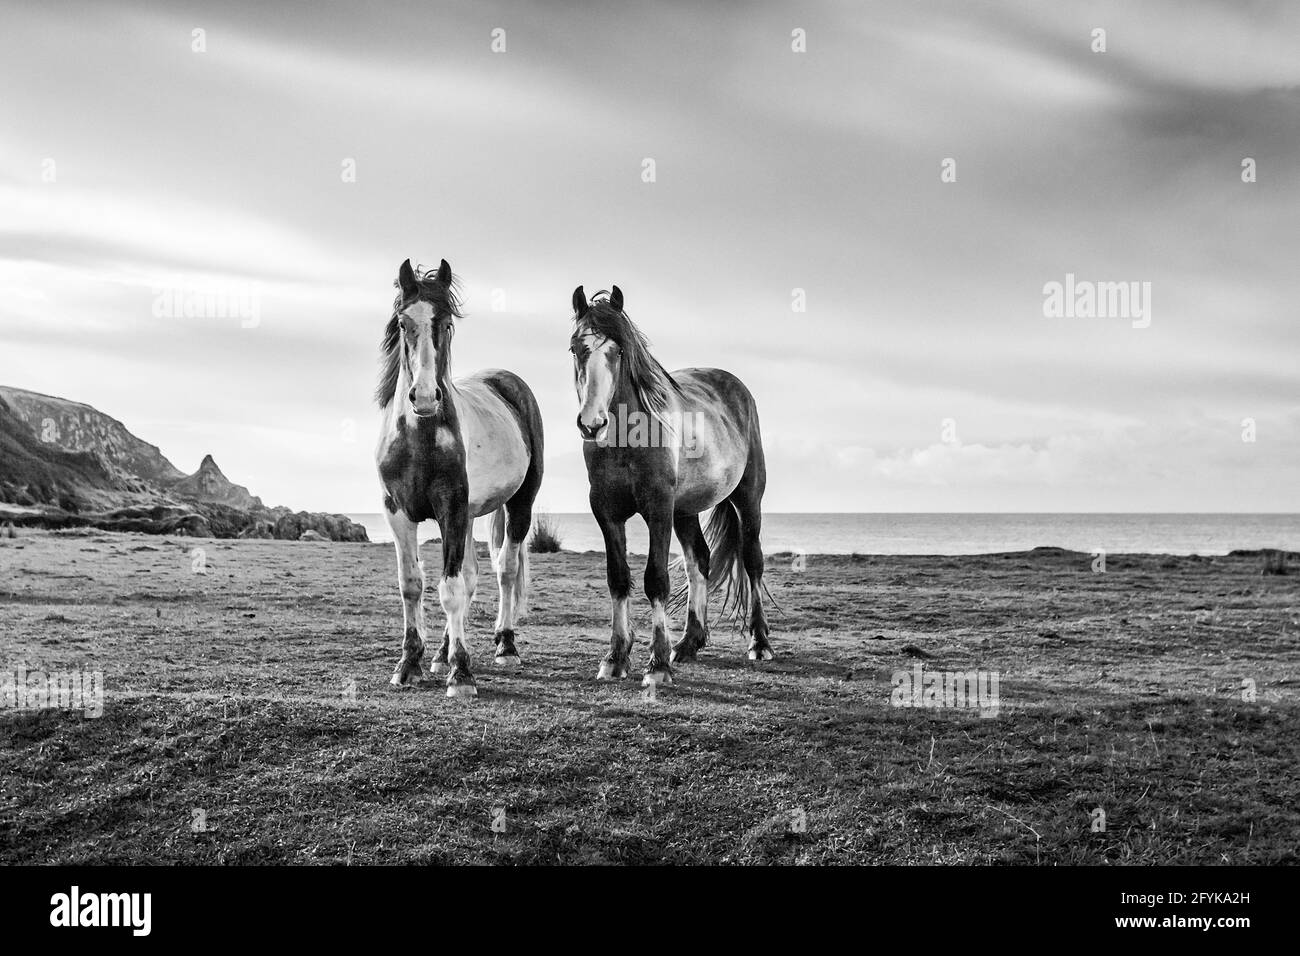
417,330
595,383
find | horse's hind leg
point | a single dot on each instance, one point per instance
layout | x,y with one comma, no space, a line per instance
410,579
508,538
512,555
748,499
695,554
469,571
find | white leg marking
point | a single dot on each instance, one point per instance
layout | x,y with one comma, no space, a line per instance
622,630
451,592
507,568
622,624
507,571
699,591
660,644
697,586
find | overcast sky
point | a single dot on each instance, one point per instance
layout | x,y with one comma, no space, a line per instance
130,163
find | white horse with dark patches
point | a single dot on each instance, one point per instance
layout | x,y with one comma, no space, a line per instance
668,446
453,450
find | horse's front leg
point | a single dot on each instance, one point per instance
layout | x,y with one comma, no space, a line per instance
439,667
410,579
454,592
614,666
658,668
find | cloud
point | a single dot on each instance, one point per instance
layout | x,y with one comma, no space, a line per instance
776,171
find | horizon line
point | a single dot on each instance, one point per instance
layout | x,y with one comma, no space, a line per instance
990,513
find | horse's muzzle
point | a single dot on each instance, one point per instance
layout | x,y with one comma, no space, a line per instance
590,434
422,405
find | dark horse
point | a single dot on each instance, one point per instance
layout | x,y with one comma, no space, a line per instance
668,446
453,451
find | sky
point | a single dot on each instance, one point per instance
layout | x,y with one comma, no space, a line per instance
855,207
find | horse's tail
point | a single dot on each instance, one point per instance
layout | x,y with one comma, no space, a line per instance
725,538
495,540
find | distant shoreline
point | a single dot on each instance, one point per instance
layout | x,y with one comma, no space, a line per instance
959,533
954,534
1037,552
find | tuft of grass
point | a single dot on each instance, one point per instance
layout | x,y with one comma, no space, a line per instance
546,536
1274,562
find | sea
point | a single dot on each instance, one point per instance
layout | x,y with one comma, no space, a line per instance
950,534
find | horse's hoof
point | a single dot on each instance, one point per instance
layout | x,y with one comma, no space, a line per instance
662,678
760,653
508,660
682,654
410,682
608,671
409,675
462,690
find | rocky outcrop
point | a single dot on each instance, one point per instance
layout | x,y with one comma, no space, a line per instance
159,519
64,464
295,526
209,484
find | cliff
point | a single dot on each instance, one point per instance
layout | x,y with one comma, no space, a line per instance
75,427
65,464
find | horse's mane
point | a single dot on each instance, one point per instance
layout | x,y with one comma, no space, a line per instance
649,379
444,299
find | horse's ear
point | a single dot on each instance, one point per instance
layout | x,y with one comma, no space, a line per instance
616,298
406,279
444,273
579,302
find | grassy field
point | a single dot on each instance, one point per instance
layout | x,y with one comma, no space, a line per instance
247,716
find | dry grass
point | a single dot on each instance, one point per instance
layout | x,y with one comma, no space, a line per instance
546,535
257,694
